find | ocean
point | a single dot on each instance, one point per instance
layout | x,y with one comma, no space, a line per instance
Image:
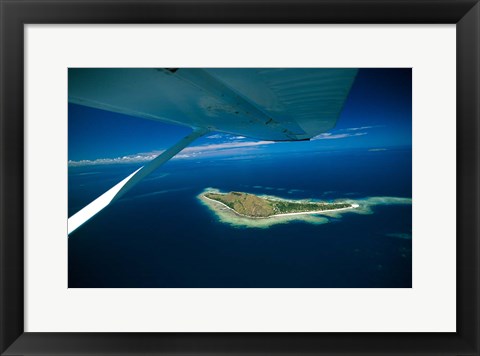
159,235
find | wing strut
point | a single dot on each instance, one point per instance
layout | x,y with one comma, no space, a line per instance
114,193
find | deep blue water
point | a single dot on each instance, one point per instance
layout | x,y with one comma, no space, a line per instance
159,235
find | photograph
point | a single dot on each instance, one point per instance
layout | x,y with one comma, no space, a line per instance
239,177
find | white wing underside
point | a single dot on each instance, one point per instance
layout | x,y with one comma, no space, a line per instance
263,103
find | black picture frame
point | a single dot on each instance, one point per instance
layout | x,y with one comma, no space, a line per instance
16,13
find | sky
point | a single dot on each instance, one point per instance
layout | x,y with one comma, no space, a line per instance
377,116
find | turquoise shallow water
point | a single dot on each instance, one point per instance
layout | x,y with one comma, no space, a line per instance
159,235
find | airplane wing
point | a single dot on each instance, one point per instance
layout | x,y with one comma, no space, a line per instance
277,104
274,104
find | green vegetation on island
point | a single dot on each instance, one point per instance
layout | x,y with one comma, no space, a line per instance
254,206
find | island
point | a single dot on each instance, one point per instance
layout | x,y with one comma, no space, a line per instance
247,210
256,207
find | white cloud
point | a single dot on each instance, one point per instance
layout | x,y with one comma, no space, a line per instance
226,137
361,128
209,150
226,145
330,136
